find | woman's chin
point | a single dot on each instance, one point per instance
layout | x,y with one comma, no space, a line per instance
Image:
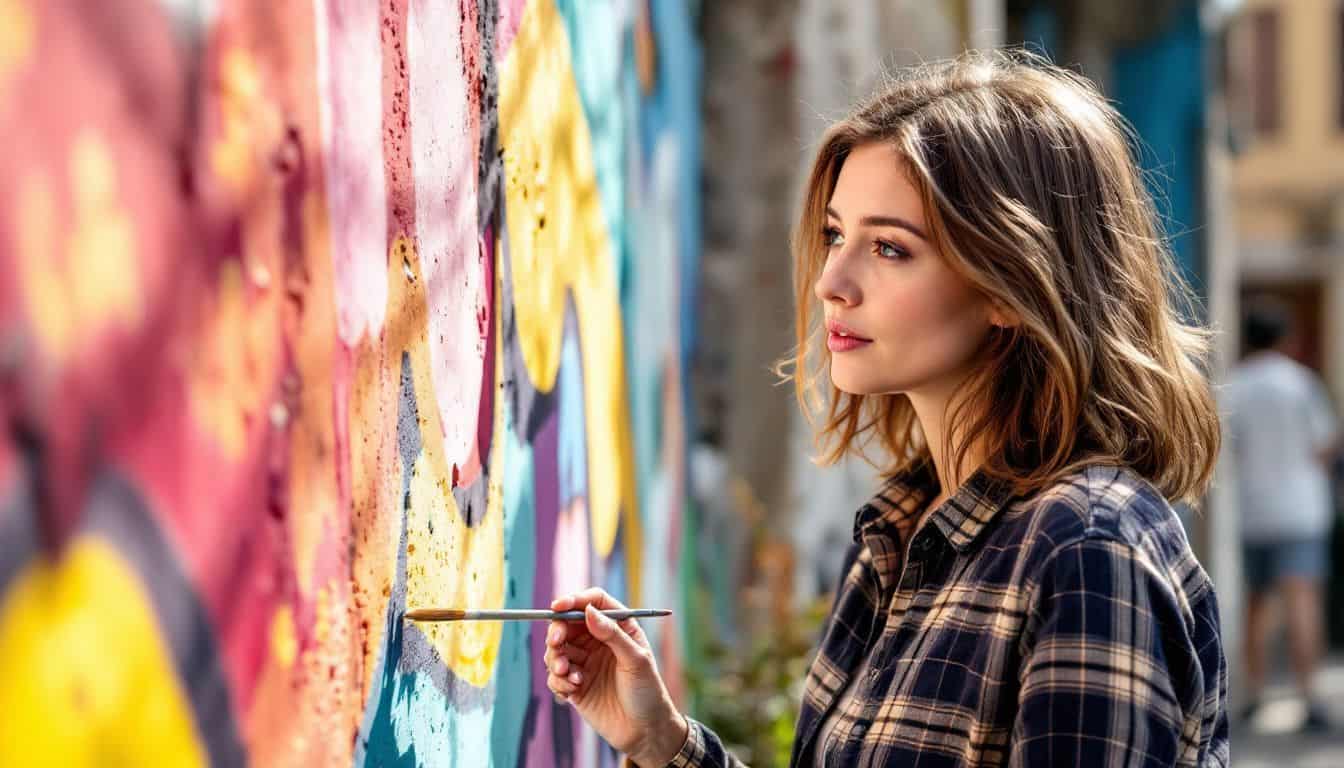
855,385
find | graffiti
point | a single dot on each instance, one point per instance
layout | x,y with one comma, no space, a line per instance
314,312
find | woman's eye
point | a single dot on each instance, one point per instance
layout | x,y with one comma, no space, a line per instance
832,237
889,251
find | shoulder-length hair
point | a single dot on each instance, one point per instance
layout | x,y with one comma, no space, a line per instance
1030,185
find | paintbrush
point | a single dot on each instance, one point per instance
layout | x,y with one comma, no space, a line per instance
516,614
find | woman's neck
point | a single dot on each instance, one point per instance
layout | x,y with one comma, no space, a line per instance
931,412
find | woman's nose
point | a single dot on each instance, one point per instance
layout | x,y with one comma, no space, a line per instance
836,284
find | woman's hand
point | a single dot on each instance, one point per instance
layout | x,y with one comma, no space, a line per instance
607,671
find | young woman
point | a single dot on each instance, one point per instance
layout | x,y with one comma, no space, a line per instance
980,271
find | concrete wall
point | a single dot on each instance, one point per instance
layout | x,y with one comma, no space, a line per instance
311,312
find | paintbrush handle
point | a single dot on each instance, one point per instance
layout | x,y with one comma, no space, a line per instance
517,614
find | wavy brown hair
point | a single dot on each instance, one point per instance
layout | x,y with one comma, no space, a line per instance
1032,192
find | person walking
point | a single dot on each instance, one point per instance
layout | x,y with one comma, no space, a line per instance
980,276
1284,437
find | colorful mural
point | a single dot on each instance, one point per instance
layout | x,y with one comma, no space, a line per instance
313,311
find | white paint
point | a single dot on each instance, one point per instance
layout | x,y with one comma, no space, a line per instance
350,77
444,159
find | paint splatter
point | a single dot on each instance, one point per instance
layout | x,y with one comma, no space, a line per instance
338,308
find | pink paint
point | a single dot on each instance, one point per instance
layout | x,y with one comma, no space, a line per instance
510,17
349,74
445,169
485,422
570,562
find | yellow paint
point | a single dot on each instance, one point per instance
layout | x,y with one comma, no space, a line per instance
455,566
232,370
312,473
296,706
375,483
103,275
558,241
88,680
18,34
41,277
250,124
97,282
284,644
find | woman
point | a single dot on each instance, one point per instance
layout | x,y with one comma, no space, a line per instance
1001,316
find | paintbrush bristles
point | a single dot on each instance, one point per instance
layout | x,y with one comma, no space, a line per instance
436,614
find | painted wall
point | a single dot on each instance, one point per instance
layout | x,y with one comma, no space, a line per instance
314,311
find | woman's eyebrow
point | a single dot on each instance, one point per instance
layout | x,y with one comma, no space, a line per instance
885,221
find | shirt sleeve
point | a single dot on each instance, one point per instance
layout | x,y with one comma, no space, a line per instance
1324,427
702,749
1113,671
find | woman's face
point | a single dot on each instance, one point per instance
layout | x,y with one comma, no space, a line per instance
899,319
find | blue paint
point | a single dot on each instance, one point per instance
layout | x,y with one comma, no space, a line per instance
597,34
675,106
573,427
377,743
513,669
651,320
611,574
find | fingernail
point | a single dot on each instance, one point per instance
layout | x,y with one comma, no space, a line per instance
575,677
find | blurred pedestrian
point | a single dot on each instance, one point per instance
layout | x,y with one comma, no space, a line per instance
1285,437
982,295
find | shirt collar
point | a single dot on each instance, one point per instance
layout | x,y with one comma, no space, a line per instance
960,519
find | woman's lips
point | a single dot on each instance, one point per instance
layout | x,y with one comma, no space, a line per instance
840,343
842,338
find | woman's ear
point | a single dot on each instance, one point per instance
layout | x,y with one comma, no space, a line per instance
1002,316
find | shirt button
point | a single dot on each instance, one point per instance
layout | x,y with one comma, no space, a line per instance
858,730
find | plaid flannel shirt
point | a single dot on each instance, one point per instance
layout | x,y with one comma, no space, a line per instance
1070,628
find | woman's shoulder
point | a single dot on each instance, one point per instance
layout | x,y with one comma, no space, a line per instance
1107,506
1098,500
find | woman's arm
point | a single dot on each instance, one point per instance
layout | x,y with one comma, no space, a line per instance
1113,672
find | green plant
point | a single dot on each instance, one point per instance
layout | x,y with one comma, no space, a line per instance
750,696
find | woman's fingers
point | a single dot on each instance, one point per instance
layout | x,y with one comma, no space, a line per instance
629,653
562,685
574,653
555,636
599,599
595,596
564,661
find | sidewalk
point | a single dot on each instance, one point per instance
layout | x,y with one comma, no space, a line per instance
1271,741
